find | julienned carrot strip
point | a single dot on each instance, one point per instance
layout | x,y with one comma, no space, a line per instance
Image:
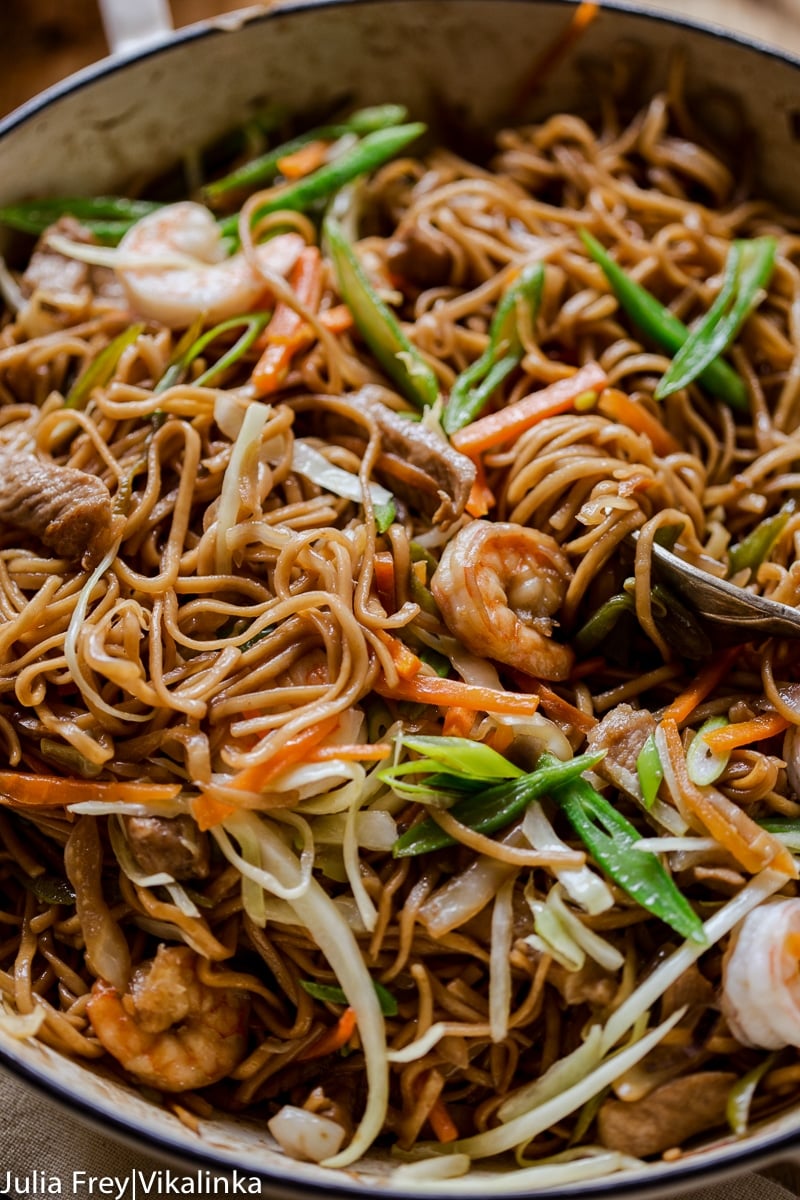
333,1039
303,161
791,944
407,664
481,497
753,847
351,752
383,569
619,407
18,790
441,1122
742,733
209,811
432,689
337,319
581,18
287,332
458,721
500,738
684,704
555,706
297,749
509,422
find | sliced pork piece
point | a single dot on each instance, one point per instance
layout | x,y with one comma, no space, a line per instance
621,733
170,844
68,510
420,465
674,1112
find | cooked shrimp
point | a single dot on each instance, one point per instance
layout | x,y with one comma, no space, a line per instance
209,284
498,586
761,978
170,1030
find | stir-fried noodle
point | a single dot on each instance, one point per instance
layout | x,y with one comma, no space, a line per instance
353,777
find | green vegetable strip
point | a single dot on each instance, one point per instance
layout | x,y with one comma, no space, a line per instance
108,217
747,272
370,152
495,807
473,388
650,771
602,622
385,515
330,994
265,168
474,759
759,542
101,371
740,1097
610,839
665,329
378,325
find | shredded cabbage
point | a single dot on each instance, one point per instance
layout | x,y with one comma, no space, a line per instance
316,910
249,437
499,961
74,629
581,884
314,466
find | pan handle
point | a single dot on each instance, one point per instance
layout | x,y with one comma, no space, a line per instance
132,24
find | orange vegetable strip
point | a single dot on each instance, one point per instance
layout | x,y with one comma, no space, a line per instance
303,161
296,750
458,721
481,497
583,16
747,842
500,738
555,706
441,1122
333,1039
287,332
681,708
741,733
509,422
432,689
351,751
55,791
337,319
618,407
407,664
383,568
209,811
791,944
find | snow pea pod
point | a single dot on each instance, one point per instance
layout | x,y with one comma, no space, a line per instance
665,329
493,808
610,839
378,325
266,167
372,151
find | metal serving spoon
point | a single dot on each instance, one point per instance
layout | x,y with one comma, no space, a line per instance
720,603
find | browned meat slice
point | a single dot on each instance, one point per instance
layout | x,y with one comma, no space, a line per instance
691,990
69,510
695,993
173,845
667,1117
621,733
49,271
591,985
417,255
423,467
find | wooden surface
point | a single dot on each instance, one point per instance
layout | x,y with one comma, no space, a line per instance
45,40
